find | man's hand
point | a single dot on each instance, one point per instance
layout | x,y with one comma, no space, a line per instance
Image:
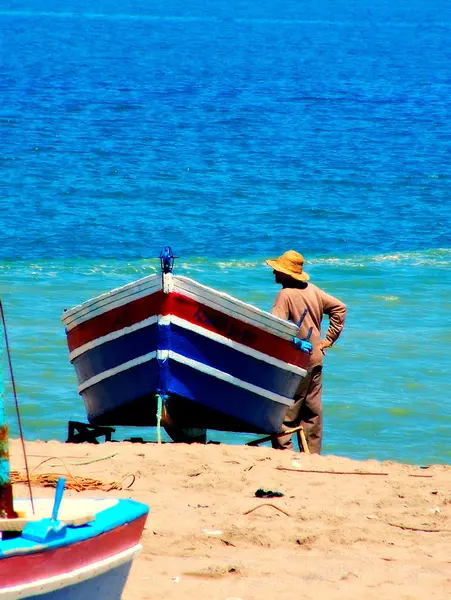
323,344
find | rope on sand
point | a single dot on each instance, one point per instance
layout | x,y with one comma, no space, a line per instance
73,482
77,464
344,472
407,528
267,504
94,460
331,472
78,484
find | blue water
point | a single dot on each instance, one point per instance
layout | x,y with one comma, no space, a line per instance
234,131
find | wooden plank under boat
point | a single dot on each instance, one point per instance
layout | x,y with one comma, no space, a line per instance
216,362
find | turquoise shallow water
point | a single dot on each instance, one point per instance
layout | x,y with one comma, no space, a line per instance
387,386
234,131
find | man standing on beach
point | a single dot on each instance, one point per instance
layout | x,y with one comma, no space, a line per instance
297,299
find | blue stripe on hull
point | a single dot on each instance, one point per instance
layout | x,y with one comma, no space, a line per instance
118,351
231,361
130,392
191,345
108,586
262,414
115,401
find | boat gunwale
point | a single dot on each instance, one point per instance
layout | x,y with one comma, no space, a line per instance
80,313
221,301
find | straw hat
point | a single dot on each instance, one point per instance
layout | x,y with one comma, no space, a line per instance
291,263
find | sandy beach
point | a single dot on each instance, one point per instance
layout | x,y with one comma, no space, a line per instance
343,529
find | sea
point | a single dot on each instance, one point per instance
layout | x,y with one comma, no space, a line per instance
233,131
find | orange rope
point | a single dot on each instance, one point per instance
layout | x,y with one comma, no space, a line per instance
73,482
78,484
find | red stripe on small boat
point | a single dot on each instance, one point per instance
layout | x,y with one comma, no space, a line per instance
28,568
192,311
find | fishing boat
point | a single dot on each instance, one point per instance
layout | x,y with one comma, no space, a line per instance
168,345
66,549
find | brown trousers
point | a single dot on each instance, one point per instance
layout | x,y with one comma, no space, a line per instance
306,411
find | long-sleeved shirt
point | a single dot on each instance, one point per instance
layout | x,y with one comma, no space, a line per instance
291,303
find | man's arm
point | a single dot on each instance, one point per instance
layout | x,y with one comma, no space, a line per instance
336,311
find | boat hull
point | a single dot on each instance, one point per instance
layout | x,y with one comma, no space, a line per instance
216,362
89,561
103,580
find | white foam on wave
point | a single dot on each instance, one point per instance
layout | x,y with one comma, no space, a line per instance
238,264
387,298
440,257
436,258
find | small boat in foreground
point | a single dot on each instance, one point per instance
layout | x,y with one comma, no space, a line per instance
167,343
81,549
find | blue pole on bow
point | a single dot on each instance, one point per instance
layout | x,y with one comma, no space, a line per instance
167,259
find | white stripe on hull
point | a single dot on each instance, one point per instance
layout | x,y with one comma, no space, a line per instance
119,369
166,320
198,366
114,335
168,283
59,582
113,299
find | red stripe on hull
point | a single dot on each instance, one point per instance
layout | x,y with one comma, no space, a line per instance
234,329
27,568
192,311
115,319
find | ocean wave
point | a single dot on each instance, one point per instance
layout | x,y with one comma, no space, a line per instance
437,258
354,22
